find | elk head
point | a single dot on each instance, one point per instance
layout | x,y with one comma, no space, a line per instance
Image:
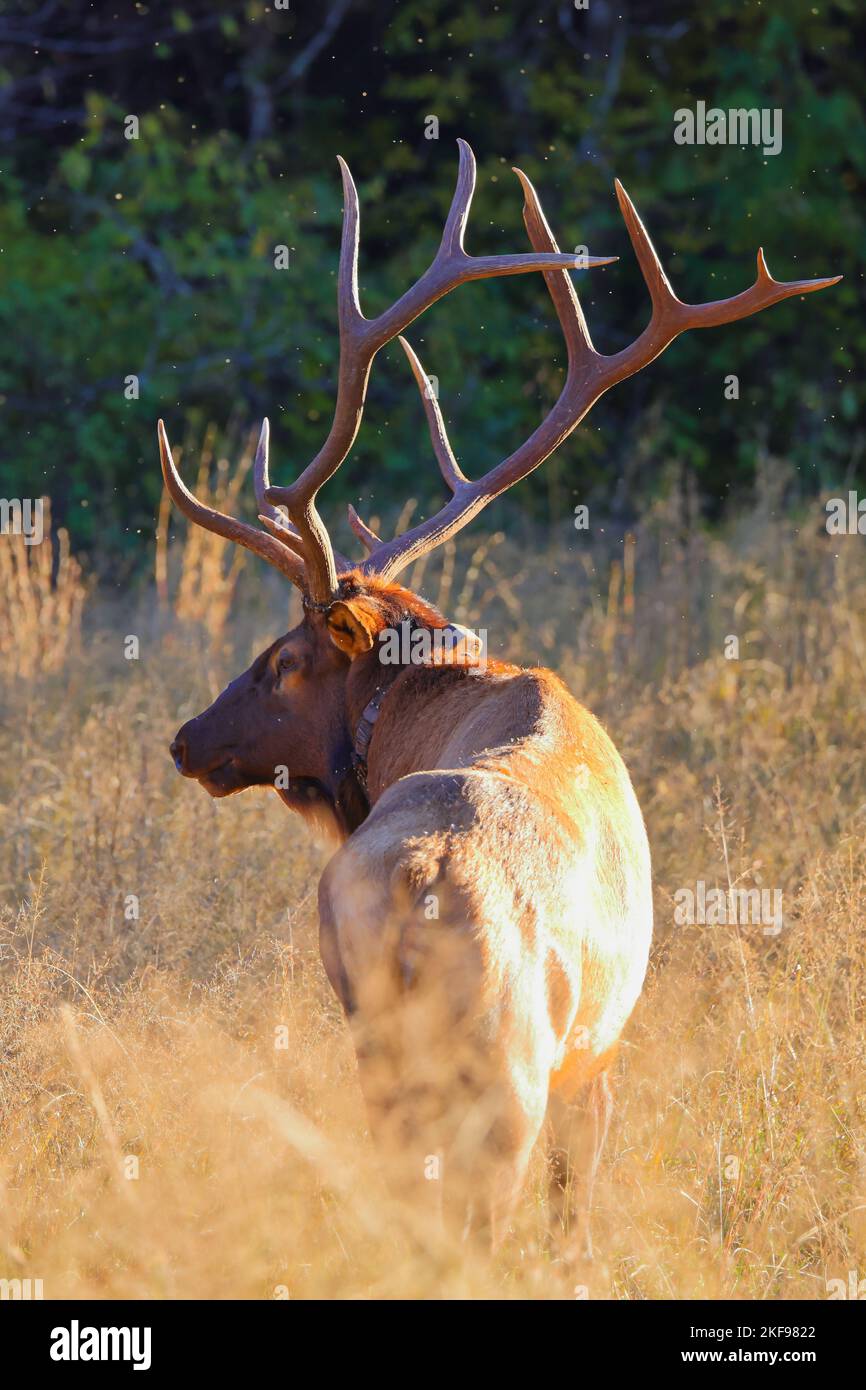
298,705
287,722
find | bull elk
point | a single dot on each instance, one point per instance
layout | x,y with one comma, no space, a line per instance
486,921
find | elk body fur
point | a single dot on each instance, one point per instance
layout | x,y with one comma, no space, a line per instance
499,892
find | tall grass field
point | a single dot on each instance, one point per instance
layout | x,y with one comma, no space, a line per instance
179,1110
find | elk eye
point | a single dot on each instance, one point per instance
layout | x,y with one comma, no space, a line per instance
285,661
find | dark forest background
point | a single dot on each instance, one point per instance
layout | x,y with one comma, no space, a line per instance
155,257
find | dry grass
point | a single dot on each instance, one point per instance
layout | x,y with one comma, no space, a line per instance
40,611
200,588
736,1163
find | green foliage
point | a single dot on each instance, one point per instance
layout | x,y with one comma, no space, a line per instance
154,257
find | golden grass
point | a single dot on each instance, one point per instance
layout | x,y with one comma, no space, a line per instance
203,590
40,613
736,1162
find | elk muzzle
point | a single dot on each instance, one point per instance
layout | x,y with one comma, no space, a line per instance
197,755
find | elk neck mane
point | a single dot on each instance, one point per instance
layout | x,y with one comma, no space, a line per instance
334,812
419,682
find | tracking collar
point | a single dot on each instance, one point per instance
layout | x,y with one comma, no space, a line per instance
367,723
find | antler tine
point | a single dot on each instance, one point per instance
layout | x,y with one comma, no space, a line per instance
270,516
368,538
575,329
590,373
660,288
361,339
231,530
672,316
448,465
348,303
458,213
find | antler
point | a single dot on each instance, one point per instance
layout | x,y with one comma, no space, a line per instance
282,548
361,339
589,375
300,546
279,552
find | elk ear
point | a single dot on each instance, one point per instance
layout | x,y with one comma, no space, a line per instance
353,624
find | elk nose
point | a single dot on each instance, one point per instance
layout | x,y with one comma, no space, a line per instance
178,752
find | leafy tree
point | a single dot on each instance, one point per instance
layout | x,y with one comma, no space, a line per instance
156,257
